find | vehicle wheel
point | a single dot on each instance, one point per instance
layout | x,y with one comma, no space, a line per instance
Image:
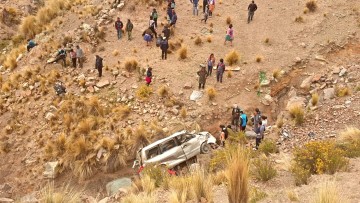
204,148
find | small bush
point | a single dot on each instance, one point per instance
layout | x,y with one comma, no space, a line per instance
219,177
266,41
257,195
277,73
201,186
183,112
198,41
29,27
297,114
233,57
311,5
163,91
320,157
122,111
342,91
293,196
182,52
258,59
211,30
143,92
211,25
180,189
306,10
148,184
63,194
209,39
327,193
268,146
300,174
228,20
115,53
299,19
229,74
314,99
131,65
211,92
263,169
350,142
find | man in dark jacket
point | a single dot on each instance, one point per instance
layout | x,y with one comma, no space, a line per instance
166,32
99,64
129,27
251,8
235,116
205,3
164,45
118,26
195,6
173,19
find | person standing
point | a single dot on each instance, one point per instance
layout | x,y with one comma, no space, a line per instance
152,26
220,71
195,6
164,45
129,27
211,7
257,119
235,116
202,77
259,135
210,63
31,44
148,77
73,58
243,121
169,13
205,4
173,19
166,32
251,9
79,56
155,16
99,64
206,14
119,26
61,55
229,35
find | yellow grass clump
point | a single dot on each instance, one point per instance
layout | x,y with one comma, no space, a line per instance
314,99
211,92
299,19
228,20
143,92
163,91
115,52
131,64
183,112
277,73
182,52
297,113
229,74
209,39
327,193
198,41
233,57
258,59
342,91
63,194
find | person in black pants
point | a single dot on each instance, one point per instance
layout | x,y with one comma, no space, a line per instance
99,64
205,3
164,47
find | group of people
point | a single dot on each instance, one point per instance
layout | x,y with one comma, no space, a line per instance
240,120
204,73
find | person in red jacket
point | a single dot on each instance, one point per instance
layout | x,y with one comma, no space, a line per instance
119,26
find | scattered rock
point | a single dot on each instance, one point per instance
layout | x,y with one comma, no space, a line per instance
188,85
105,200
329,93
175,111
268,98
5,200
102,83
114,186
196,95
342,72
30,198
51,169
295,101
49,116
90,89
320,58
298,60
306,83
265,82
336,70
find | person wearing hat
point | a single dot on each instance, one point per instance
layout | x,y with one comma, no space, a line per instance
202,77
235,116
164,47
166,32
155,16
148,77
119,26
129,27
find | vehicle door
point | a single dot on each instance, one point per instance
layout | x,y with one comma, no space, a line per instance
171,154
189,144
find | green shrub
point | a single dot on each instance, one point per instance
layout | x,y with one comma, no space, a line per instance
155,173
257,195
301,175
320,157
263,169
268,146
236,137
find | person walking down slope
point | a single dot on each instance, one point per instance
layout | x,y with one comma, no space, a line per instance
229,35
206,14
173,19
129,27
79,56
211,4
166,32
152,26
119,26
195,6
202,77
99,64
259,135
73,58
243,121
210,63
155,16
205,4
164,45
147,36
220,71
235,116
251,9
257,119
148,76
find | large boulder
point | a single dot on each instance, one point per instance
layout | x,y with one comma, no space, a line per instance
51,169
307,82
102,83
295,101
114,186
329,93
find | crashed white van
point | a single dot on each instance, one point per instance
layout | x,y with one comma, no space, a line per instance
175,149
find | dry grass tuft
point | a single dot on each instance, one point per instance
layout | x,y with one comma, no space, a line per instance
164,91
311,5
143,92
201,186
263,169
306,10
211,92
277,74
183,112
209,39
299,19
148,184
350,134
297,113
211,25
140,198
182,52
314,99
122,111
228,20
258,59
131,65
58,195
237,175
266,41
29,27
115,53
233,57
327,193
293,196
198,41
229,74
342,91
